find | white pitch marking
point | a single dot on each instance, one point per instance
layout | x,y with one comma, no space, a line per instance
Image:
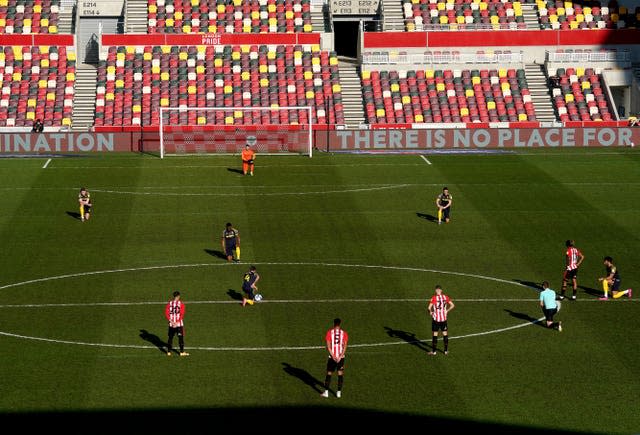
425,159
274,348
46,164
264,301
177,266
280,348
320,192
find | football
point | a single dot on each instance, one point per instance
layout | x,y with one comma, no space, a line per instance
257,297
559,305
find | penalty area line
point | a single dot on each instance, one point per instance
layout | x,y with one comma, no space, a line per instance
425,159
46,164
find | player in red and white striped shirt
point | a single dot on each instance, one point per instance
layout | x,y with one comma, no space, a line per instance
573,260
439,306
174,312
336,339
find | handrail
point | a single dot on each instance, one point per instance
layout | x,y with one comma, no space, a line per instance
393,57
589,56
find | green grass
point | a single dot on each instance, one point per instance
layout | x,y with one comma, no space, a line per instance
336,235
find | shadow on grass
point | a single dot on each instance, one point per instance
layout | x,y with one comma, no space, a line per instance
591,291
523,316
74,214
283,419
153,339
235,295
236,170
429,217
409,337
304,376
216,253
534,285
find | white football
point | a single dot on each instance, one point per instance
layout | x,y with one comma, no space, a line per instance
257,297
559,305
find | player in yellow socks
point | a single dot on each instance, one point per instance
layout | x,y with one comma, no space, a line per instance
443,202
84,198
231,242
612,281
249,281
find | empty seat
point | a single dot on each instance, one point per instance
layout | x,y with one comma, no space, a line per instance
221,76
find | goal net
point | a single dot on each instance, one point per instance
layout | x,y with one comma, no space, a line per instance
226,130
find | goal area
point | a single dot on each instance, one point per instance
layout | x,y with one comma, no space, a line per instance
226,130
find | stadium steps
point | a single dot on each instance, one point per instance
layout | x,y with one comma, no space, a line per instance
352,99
393,16
65,18
530,16
136,19
84,99
540,94
318,19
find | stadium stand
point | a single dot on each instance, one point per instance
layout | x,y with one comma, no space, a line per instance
579,96
444,96
462,14
569,15
135,81
235,16
29,16
397,82
37,83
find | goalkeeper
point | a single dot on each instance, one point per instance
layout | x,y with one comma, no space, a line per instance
248,156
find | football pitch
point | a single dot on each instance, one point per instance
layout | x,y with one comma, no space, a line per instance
83,331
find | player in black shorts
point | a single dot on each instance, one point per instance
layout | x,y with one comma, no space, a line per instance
231,243
84,198
443,202
249,287
611,282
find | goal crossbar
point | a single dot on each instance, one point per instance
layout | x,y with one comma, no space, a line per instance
201,130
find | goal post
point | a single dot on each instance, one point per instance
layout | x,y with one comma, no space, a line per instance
226,130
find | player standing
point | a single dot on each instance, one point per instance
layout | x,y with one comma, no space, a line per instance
231,243
573,260
443,202
248,156
249,287
84,198
439,306
336,339
174,312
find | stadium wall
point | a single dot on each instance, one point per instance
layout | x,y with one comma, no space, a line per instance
210,39
420,140
482,38
375,140
37,39
533,44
